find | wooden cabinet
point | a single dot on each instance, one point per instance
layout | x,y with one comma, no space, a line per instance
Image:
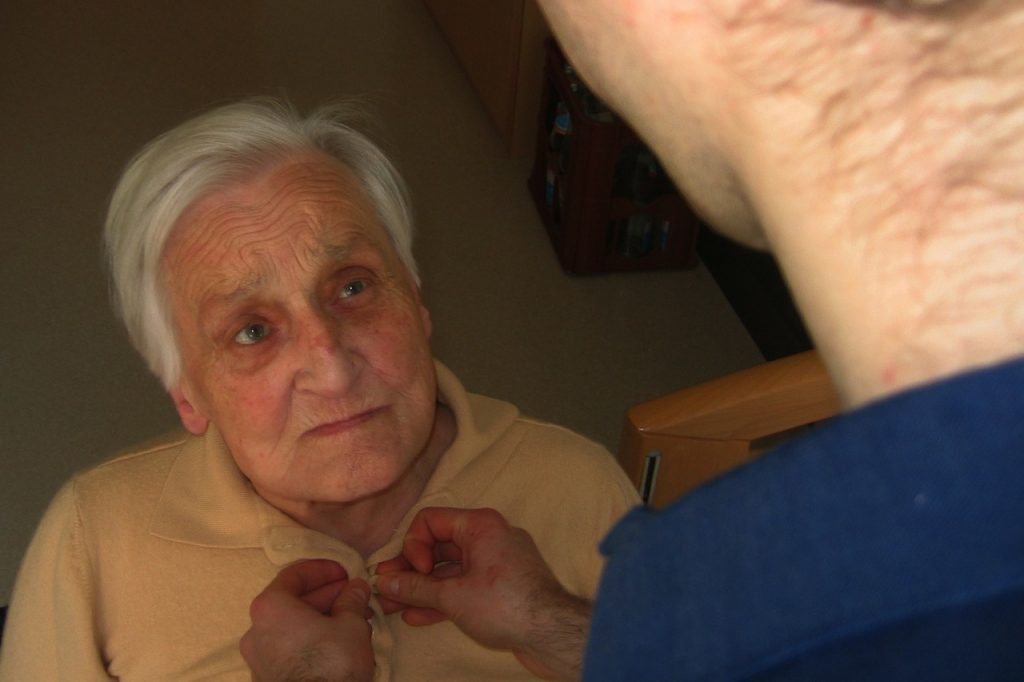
500,44
606,202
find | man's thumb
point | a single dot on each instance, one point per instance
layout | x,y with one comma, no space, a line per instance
411,588
353,598
416,595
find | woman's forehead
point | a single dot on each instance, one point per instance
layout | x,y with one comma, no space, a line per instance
302,181
307,211
305,187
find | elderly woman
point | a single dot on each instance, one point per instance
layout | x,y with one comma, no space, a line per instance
262,265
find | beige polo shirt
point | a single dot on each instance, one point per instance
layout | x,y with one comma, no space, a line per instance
143,567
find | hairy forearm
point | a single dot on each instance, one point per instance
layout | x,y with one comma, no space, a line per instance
554,647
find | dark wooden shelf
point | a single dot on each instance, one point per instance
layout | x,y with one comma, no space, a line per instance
591,229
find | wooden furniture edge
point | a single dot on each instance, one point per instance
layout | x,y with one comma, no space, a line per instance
705,430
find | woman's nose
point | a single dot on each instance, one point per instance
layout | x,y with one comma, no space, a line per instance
325,364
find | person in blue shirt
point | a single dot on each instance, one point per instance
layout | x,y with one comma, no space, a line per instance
876,148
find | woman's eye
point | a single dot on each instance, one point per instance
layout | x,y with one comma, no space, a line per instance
353,288
254,333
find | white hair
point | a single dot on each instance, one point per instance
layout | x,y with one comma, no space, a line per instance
214,150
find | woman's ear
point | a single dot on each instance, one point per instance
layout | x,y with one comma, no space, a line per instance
191,418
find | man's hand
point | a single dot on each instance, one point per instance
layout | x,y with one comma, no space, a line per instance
473,568
310,623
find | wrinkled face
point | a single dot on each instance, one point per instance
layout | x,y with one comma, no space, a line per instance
302,335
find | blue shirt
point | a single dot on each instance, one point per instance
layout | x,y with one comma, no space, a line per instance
886,545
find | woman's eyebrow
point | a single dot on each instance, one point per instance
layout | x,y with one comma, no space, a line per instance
341,247
335,252
231,294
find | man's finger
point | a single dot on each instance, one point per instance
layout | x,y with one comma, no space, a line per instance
418,617
439,572
445,526
399,563
322,599
305,576
411,589
426,557
447,552
354,598
389,605
293,584
442,571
